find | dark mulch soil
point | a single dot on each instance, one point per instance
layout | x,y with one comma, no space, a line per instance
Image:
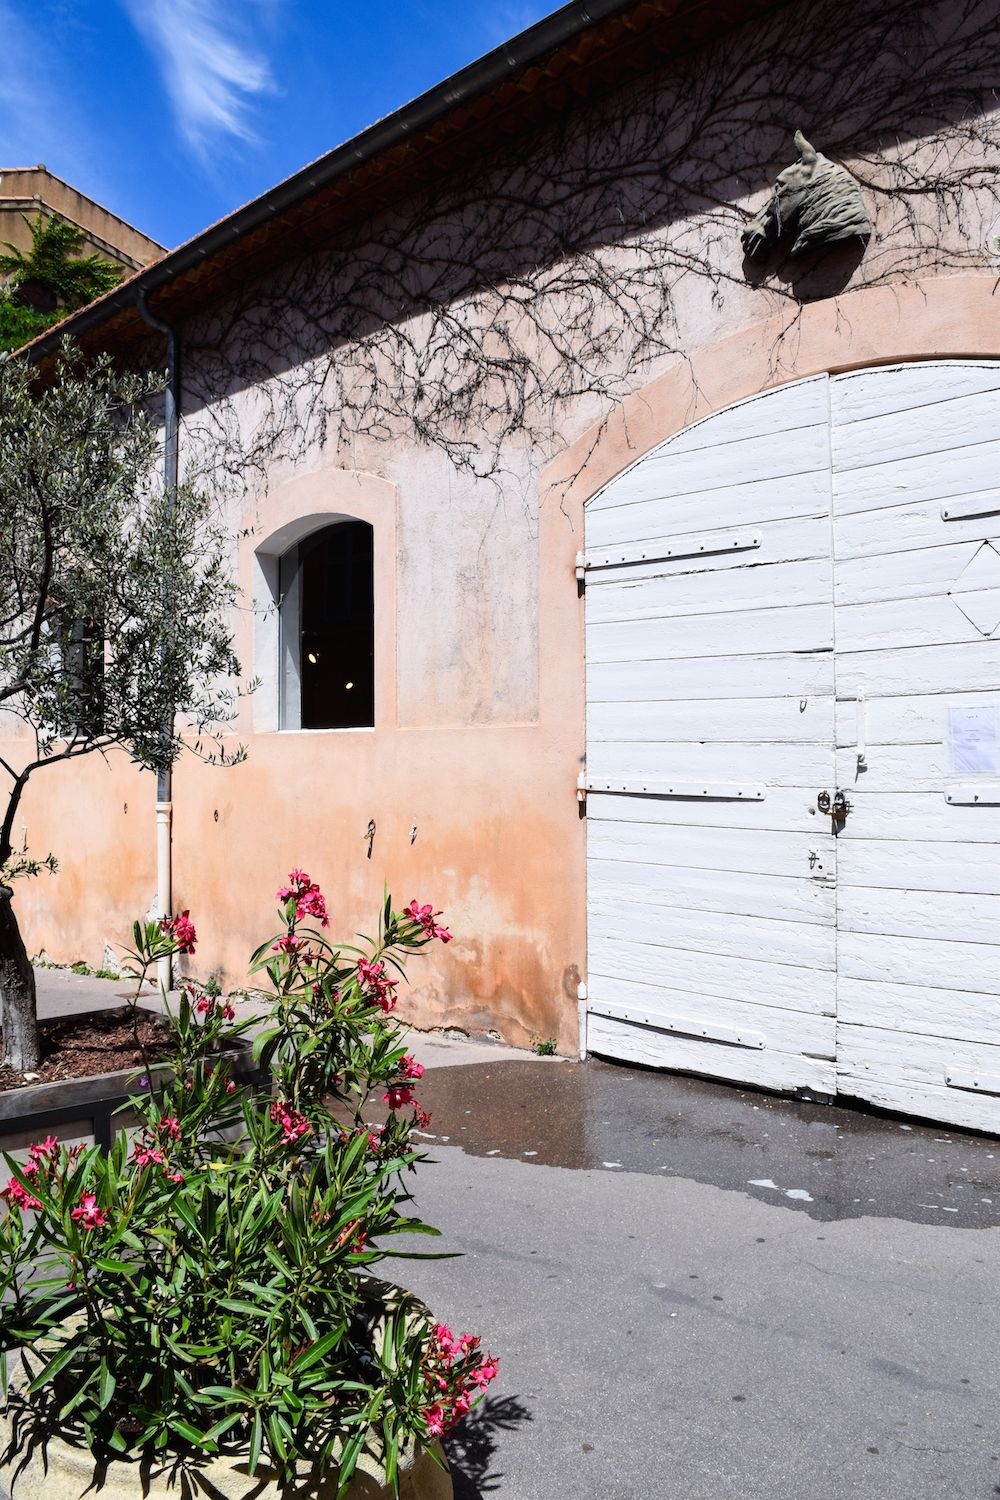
79,1046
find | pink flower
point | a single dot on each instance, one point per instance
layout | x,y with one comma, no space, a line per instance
204,1005
312,904
288,944
294,1126
48,1147
410,1068
485,1372
228,1011
308,898
175,1176
145,1156
376,985
434,1417
443,1337
17,1195
230,1086
181,929
171,1125
424,916
397,1097
88,1215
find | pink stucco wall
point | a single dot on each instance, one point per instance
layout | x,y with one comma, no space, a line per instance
479,731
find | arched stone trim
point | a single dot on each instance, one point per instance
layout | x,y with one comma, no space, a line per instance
945,317
293,511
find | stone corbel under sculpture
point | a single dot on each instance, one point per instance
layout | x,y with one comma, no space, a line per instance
815,200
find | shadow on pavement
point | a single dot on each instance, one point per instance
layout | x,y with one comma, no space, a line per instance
471,1447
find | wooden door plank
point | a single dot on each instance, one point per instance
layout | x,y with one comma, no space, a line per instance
859,395
804,627
950,915
676,595
756,721
932,431
615,916
710,679
728,891
926,1010
778,764
910,527
784,809
764,1069
615,962
762,502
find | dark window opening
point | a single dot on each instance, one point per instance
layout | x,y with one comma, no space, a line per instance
82,679
337,627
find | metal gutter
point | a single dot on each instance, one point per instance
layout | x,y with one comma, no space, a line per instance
487,72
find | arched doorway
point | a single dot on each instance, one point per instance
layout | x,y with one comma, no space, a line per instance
799,596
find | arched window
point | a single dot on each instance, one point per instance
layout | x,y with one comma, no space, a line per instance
327,629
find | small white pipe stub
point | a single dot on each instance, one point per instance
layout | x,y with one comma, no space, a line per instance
581,1010
164,894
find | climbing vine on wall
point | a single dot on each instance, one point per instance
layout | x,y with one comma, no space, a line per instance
497,315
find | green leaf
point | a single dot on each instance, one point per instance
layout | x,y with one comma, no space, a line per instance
214,1433
58,1362
189,1433
237,1305
256,1440
105,1385
318,1351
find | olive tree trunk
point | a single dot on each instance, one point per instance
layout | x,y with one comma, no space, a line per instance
18,1011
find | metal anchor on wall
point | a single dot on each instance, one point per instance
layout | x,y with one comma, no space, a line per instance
369,834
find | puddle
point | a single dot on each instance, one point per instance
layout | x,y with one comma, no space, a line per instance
827,1162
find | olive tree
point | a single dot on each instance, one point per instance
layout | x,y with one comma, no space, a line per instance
115,600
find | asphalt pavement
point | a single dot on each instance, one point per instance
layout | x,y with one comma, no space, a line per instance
699,1292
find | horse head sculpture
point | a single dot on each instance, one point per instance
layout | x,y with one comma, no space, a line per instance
815,200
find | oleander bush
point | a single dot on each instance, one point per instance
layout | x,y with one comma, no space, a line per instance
209,1282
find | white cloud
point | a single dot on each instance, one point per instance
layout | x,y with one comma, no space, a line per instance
40,118
212,74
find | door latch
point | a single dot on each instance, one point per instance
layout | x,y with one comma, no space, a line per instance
836,807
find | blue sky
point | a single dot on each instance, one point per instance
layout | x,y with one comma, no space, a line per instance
173,112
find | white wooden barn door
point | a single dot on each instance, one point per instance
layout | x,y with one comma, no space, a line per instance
832,539
916,486
709,632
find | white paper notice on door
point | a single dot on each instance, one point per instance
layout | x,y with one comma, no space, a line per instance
974,740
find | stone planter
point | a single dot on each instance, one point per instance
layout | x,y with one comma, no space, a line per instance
40,1461
88,1106
34,1466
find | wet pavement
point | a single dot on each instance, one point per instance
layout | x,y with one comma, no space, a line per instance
831,1163
703,1292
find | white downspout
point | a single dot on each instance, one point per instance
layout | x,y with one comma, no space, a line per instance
164,777
164,884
